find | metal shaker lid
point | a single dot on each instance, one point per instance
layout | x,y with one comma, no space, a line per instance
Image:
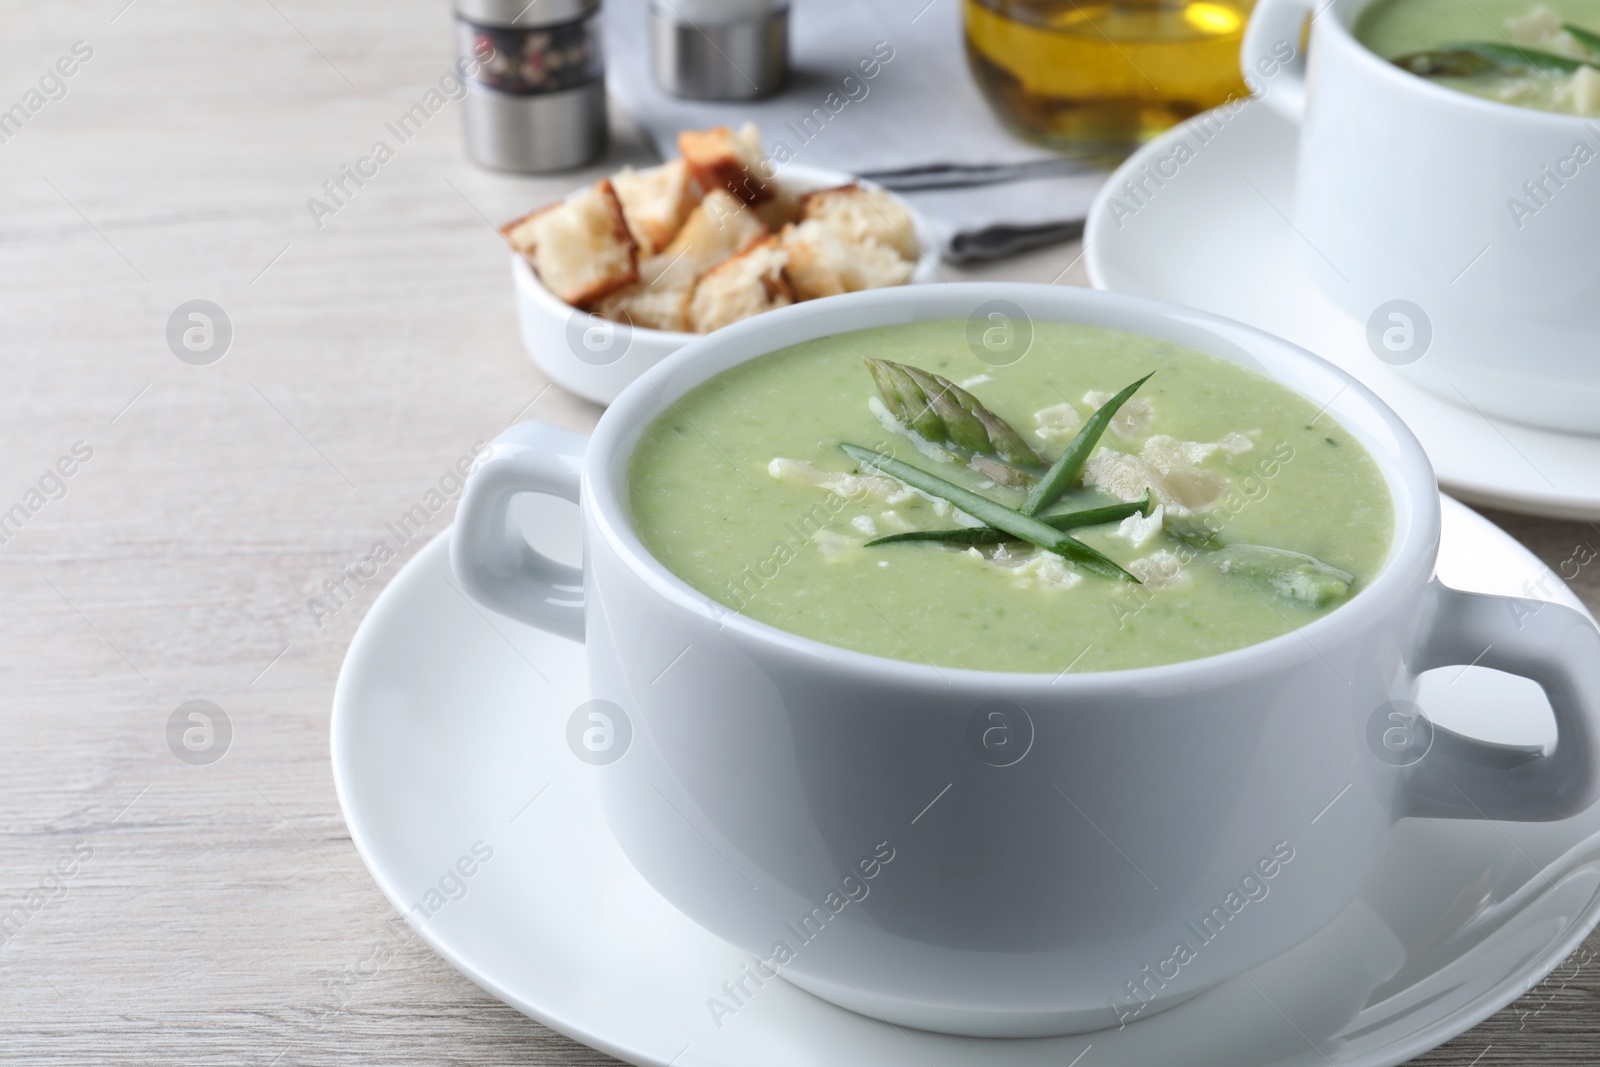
524,14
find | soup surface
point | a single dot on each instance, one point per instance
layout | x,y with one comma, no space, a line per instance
1544,56
743,490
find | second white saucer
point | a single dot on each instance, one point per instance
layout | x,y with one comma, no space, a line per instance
1211,230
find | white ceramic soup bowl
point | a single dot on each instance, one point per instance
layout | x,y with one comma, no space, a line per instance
1462,231
1006,854
597,359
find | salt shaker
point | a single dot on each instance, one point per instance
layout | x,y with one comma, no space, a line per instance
535,74
719,49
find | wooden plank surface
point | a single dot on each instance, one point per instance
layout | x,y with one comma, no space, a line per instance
217,914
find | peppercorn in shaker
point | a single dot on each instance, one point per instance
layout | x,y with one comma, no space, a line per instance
536,98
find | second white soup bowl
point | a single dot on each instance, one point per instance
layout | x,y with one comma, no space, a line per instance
1461,231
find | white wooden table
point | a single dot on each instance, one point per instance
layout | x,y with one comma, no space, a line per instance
174,913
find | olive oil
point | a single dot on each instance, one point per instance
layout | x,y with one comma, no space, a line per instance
1096,79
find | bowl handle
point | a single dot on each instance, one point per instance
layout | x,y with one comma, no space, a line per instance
488,554
1462,778
1272,58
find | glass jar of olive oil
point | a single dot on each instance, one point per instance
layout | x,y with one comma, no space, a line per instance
1095,78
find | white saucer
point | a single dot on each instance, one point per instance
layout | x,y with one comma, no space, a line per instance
449,728
1207,239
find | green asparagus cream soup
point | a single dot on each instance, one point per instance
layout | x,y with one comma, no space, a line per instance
1108,501
1544,56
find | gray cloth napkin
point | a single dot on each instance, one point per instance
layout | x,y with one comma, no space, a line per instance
917,124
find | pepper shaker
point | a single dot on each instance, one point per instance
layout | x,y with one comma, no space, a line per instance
536,90
719,49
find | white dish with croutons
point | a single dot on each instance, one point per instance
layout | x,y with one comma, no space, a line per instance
628,270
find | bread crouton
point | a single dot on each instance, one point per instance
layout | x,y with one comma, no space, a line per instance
581,247
863,215
744,285
651,307
655,202
721,159
519,232
719,227
821,264
780,209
